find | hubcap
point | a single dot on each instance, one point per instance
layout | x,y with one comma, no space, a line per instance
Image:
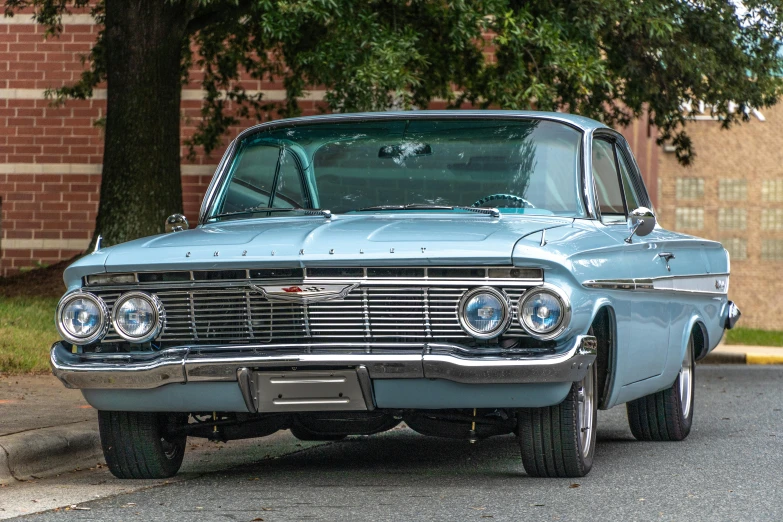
585,411
686,381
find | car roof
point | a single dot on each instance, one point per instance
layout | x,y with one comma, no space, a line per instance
574,120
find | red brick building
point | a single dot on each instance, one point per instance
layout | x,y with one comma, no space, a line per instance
50,157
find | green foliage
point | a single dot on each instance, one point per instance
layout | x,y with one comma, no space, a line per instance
614,60
754,337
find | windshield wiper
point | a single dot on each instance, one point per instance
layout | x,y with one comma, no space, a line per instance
256,210
493,212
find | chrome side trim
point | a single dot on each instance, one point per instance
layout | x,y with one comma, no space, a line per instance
712,284
230,363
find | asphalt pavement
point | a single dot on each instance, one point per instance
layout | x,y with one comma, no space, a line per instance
728,469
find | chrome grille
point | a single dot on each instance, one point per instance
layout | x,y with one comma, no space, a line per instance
369,312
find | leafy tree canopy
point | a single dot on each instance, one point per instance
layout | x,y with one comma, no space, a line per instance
607,59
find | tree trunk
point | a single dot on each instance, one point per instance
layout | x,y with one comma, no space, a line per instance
141,182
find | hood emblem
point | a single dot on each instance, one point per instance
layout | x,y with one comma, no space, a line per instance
304,294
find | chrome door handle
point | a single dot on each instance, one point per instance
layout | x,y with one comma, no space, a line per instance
667,256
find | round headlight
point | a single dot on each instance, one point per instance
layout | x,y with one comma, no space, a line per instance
138,317
82,318
543,313
483,313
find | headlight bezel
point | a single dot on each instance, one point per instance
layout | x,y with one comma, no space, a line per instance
504,324
565,306
103,312
157,308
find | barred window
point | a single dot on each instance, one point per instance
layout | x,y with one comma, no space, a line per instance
732,190
732,218
737,247
690,188
772,219
772,250
772,190
689,218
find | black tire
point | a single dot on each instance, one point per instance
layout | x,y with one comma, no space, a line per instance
550,438
306,434
137,445
664,415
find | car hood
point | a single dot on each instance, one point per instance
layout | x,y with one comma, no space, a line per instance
389,239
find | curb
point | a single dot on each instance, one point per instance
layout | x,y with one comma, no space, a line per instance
48,451
742,358
756,358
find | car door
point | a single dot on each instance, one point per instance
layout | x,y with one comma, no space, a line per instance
643,341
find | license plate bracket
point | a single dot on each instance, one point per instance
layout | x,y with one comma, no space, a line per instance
312,390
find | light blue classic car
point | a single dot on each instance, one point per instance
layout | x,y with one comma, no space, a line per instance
469,273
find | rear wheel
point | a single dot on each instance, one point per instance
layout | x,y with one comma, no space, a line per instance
141,445
559,441
667,414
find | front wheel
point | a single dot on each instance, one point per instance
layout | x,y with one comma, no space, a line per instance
559,441
140,445
667,414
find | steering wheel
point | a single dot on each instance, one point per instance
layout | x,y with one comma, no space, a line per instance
512,197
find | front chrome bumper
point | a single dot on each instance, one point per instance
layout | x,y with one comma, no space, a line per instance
451,362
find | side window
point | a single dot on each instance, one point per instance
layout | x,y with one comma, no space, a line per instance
631,198
607,183
264,176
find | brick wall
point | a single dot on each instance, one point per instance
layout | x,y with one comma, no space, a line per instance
50,157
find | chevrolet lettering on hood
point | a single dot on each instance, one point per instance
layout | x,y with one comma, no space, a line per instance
304,294
468,273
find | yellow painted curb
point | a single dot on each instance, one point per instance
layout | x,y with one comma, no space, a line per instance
755,358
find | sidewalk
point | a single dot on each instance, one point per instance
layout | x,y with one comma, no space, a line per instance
47,429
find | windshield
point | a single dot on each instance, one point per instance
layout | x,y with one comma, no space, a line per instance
390,165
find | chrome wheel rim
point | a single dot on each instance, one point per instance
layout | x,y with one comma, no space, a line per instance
686,382
585,396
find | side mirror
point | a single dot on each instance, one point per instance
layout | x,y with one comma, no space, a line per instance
640,222
176,223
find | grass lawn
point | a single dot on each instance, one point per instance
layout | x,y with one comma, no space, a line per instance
753,337
26,333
